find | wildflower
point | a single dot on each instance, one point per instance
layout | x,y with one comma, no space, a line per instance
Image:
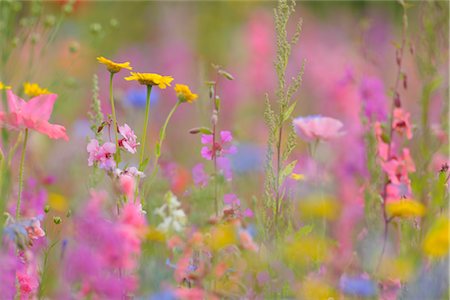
401,122
129,138
231,200
184,94
133,171
103,155
357,286
247,240
127,185
113,67
4,87
397,168
33,114
150,79
174,218
318,128
34,229
373,97
136,97
314,288
222,236
33,90
199,175
436,242
405,208
219,148
319,207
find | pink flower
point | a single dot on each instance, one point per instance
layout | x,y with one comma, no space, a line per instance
34,229
199,175
129,138
401,122
317,128
231,199
33,114
247,241
127,185
103,155
220,148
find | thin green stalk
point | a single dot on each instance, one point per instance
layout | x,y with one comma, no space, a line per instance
21,168
113,110
144,136
162,136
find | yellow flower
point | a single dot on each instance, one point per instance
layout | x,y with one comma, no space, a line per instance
307,250
151,79
33,89
436,242
317,206
58,202
297,176
405,208
222,236
315,289
184,94
114,67
4,87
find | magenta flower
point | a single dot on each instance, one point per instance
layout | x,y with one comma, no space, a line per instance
33,114
373,97
199,175
318,128
231,200
101,155
129,139
221,147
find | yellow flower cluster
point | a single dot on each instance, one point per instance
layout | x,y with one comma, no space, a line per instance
405,208
297,176
151,79
4,87
184,94
34,90
114,67
436,242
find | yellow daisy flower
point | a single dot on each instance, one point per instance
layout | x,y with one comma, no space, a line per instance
114,67
34,90
150,79
405,208
184,94
4,87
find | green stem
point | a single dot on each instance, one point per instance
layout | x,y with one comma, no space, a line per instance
144,136
21,167
162,136
113,110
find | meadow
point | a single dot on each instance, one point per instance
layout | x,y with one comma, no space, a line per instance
224,150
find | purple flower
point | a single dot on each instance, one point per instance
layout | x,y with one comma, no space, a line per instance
231,199
199,175
220,148
373,98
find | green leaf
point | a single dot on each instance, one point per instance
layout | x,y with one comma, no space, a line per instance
143,165
158,149
286,171
289,111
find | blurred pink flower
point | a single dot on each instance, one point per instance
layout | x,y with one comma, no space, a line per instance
34,230
401,122
199,175
373,97
127,185
129,138
33,114
103,155
221,147
318,128
231,199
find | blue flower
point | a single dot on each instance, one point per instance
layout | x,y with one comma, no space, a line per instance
357,286
136,97
249,157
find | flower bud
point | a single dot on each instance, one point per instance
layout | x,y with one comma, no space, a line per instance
57,220
95,28
47,208
50,21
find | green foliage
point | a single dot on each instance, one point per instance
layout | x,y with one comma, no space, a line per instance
276,115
